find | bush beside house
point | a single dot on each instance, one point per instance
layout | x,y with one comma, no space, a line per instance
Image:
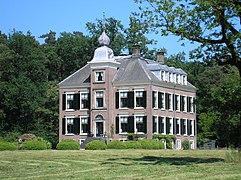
68,145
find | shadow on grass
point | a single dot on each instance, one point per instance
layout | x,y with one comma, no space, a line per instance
155,160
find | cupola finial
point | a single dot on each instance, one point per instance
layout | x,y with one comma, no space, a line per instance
104,40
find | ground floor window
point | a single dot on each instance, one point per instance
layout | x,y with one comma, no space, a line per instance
70,125
123,124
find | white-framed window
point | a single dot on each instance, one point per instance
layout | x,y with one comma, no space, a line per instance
181,79
184,103
192,105
99,76
163,100
185,80
155,99
139,124
167,76
192,144
69,125
163,75
178,126
178,78
70,101
84,100
175,78
169,125
155,124
123,124
178,144
177,102
99,99
191,127
84,125
163,125
169,101
139,99
123,101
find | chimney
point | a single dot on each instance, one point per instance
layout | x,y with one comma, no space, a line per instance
160,57
136,50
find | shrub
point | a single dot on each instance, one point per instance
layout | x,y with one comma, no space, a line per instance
116,145
134,137
151,144
95,145
68,145
133,145
7,146
33,145
233,157
48,144
186,145
11,136
28,137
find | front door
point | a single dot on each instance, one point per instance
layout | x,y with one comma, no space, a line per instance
99,129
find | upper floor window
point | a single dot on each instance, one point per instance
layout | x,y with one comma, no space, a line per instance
99,99
155,99
183,103
177,102
99,76
140,99
84,100
70,101
123,99
168,99
161,100
163,75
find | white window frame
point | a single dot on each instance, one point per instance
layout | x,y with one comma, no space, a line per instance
162,74
82,117
170,101
122,91
163,100
135,121
174,78
185,103
178,104
96,99
120,130
157,125
88,98
103,76
167,76
192,104
171,127
66,125
192,125
66,100
156,102
135,93
163,118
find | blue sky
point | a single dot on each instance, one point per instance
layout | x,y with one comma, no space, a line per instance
41,16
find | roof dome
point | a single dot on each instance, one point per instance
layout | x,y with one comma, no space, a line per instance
104,40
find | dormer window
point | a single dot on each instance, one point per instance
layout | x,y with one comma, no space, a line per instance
163,75
99,76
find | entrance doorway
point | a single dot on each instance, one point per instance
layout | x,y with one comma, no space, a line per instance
99,129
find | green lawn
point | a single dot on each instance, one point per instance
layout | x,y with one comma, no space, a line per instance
117,164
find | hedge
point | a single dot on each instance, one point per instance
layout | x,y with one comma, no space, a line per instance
151,144
68,145
133,145
95,145
33,145
116,145
7,146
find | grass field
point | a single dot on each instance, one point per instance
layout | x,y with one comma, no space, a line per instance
117,164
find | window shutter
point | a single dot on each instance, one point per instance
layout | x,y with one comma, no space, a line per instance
153,102
76,129
88,126
173,102
194,124
153,124
89,100
188,104
181,103
64,102
131,99
130,126
188,127
159,125
167,126
117,100
77,101
144,99
182,126
174,126
166,101
63,126
117,124
159,100
144,124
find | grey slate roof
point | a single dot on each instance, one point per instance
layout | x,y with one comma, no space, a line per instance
80,77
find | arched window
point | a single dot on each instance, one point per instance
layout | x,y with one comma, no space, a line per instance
99,118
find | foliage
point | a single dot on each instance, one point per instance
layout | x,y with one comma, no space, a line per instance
233,156
28,137
7,146
186,145
95,145
134,137
48,144
214,24
11,136
151,144
68,144
116,145
168,138
133,145
33,145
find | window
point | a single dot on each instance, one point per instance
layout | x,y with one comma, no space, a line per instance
163,126
123,99
169,126
155,124
178,144
178,78
185,126
139,124
155,99
99,76
184,80
163,75
174,78
140,99
183,103
84,100
99,103
70,125
177,102
178,126
70,101
84,125
192,127
190,104
123,124
161,100
192,145
168,101
167,76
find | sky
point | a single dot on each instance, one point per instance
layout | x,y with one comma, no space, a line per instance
41,16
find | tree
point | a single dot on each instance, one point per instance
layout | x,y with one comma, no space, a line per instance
214,24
